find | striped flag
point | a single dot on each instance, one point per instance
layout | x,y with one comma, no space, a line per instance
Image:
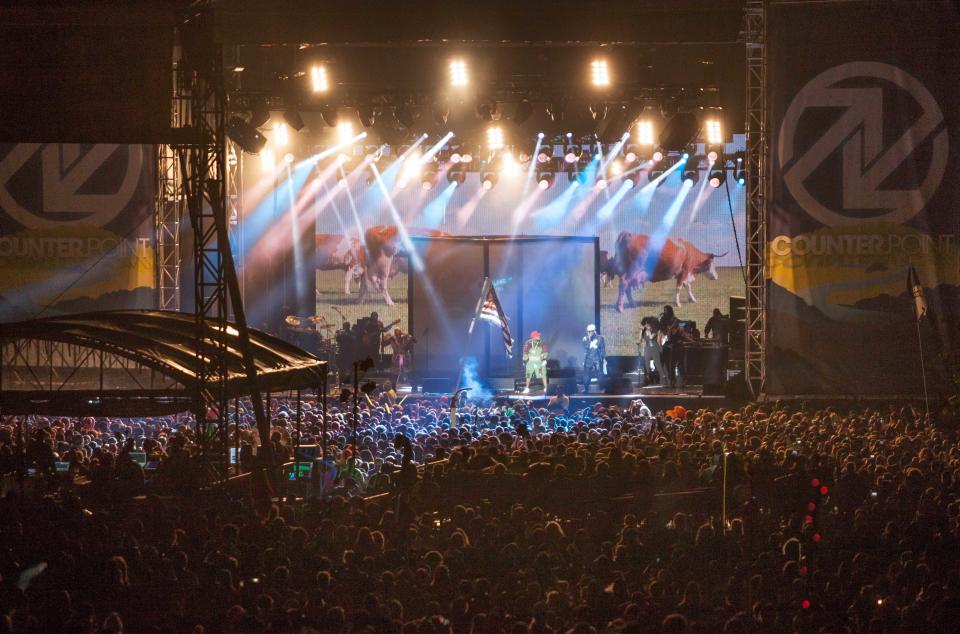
915,289
491,311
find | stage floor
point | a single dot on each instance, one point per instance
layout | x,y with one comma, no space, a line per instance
655,397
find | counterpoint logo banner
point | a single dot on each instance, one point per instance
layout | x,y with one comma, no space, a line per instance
859,134
75,228
861,190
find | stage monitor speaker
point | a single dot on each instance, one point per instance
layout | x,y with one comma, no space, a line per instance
706,364
738,325
438,385
617,365
617,385
567,382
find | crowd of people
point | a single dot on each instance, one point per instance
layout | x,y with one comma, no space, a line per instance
514,518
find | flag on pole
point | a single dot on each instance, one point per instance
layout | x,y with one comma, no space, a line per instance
915,288
491,311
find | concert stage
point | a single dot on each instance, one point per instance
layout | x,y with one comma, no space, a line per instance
656,398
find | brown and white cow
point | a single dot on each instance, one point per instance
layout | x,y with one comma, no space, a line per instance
336,252
383,244
678,259
608,269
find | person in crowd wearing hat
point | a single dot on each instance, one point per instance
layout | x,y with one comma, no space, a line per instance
535,360
595,357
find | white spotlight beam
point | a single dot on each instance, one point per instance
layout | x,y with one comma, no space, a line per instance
613,153
316,158
429,154
533,165
395,215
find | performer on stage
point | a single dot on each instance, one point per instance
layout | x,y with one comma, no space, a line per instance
346,349
402,345
371,330
674,338
651,350
535,360
595,357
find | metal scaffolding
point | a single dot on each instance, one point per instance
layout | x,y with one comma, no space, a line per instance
170,205
200,94
756,224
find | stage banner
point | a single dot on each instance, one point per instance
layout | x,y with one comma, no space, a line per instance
76,228
864,114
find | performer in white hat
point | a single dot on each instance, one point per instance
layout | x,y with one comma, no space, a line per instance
595,357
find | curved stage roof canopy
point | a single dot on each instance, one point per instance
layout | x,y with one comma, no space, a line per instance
136,363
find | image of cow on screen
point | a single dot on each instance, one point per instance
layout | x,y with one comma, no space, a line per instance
639,260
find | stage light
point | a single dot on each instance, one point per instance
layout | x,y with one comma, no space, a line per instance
457,177
487,110
645,132
616,168
267,160
685,156
712,156
717,177
404,116
544,180
367,116
714,133
601,183
412,166
455,158
630,154
329,115
555,111
631,180
344,132
319,80
288,158
679,132
293,119
245,135
508,164
740,175
466,158
572,154
691,170
539,135
239,69
259,113
657,156
427,181
599,73
545,154
598,111
494,138
458,73
280,135
523,112
488,180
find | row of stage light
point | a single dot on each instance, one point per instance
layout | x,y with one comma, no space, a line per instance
248,131
321,80
622,161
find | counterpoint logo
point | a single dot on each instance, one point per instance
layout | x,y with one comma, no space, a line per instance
858,132
65,172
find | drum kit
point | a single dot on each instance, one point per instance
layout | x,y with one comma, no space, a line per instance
322,342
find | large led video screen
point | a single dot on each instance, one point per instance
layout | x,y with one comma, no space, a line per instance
548,284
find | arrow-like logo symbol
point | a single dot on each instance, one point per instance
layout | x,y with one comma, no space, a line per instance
859,131
66,173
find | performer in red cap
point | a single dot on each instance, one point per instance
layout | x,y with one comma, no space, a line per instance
535,360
